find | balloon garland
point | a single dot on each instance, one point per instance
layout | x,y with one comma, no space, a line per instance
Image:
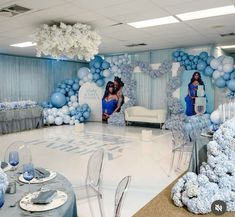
221,69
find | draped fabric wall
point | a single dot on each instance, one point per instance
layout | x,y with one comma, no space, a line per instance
23,78
151,93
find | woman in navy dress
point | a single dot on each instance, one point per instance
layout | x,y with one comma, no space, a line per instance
192,93
109,101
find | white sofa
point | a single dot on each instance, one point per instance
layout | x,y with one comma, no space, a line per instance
141,114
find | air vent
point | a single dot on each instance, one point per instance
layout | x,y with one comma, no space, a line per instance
227,34
135,45
13,10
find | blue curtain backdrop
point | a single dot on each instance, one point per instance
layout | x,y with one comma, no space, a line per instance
151,93
23,78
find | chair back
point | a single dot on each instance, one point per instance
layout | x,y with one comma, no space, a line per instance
120,195
94,168
179,134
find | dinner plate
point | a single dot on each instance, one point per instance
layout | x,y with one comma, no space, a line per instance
26,204
8,168
36,181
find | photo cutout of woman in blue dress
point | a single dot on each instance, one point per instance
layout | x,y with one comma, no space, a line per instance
113,98
196,89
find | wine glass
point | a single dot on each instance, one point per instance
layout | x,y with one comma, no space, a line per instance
28,172
2,199
13,159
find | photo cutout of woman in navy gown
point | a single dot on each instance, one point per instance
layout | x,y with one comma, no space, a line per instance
196,80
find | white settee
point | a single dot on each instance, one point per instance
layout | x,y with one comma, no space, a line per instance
141,114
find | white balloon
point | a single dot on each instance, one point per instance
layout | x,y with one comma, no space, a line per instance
83,72
49,112
71,122
66,119
106,73
220,68
73,98
216,74
70,103
81,82
71,108
58,121
85,79
222,73
76,122
73,118
65,110
228,60
54,110
215,63
221,58
90,76
215,117
75,104
50,119
228,68
45,113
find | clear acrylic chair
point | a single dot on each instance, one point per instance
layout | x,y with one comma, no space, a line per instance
120,195
181,143
93,183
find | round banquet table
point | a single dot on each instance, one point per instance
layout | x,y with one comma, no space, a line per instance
69,209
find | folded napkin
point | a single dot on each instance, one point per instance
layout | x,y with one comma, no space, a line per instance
4,165
44,197
41,173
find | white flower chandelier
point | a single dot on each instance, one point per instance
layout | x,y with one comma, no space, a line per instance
76,40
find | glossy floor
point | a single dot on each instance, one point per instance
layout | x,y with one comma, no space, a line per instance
67,151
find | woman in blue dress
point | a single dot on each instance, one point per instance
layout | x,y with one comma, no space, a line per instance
192,93
109,101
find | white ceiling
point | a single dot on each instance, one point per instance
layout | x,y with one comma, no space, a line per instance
102,14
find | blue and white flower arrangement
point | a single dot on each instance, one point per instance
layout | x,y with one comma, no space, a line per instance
17,105
3,181
216,180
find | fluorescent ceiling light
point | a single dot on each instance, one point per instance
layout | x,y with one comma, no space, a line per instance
24,44
227,46
154,22
230,9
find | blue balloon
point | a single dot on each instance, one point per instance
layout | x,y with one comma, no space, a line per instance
184,57
176,60
190,57
70,82
72,112
76,80
231,85
97,70
220,82
100,82
81,119
98,59
79,109
58,100
67,99
63,91
50,105
201,66
194,66
105,65
96,76
232,75
63,86
71,93
179,59
57,90
203,55
85,106
67,89
93,70
86,115
208,61
75,86
188,67
187,62
195,59
176,54
226,76
208,71
97,65
182,63
91,63
44,104
181,53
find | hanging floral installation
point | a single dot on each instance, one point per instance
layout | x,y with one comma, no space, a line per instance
63,40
